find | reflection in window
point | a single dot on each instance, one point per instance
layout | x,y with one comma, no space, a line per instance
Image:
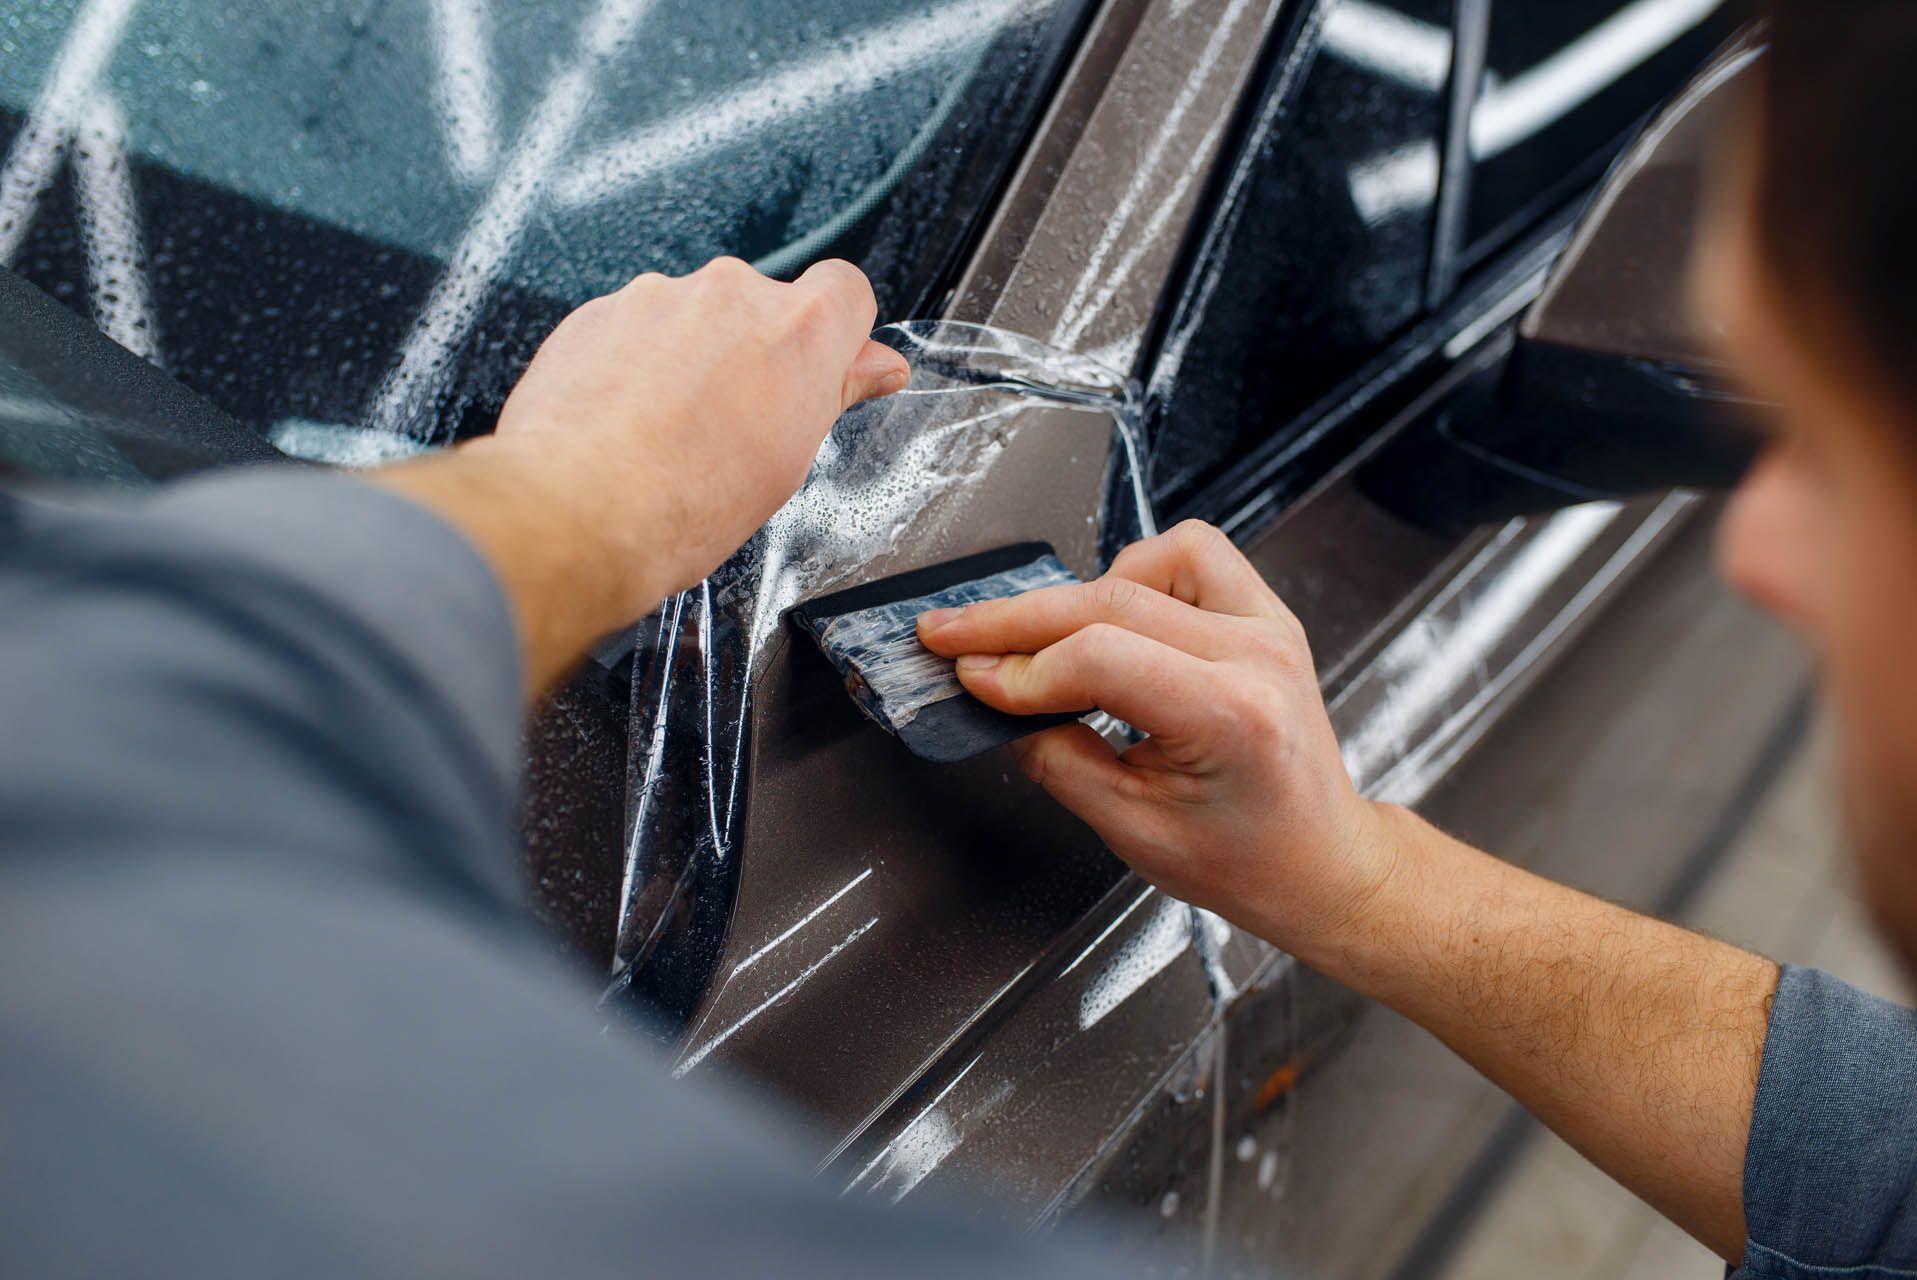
1320,251
369,213
1563,83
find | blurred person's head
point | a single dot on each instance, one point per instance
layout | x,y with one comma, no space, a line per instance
1810,264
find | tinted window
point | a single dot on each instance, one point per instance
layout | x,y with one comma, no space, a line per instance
1320,247
355,211
1564,81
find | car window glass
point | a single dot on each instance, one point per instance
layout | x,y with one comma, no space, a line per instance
1319,250
368,211
1564,82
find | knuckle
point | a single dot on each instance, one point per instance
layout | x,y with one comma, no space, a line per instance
856,283
1117,597
1128,558
1248,717
726,272
1021,691
600,308
1280,646
1201,540
811,309
1097,644
1040,762
588,321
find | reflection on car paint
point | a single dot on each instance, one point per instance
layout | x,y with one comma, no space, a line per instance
1387,42
800,923
1166,174
1560,83
1510,610
1170,932
699,1054
1320,247
1424,697
1511,112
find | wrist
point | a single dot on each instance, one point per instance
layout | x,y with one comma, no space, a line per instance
606,524
1384,890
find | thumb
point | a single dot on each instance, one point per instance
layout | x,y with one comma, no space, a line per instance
876,371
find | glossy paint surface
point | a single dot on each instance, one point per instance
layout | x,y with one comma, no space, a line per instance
1623,286
936,889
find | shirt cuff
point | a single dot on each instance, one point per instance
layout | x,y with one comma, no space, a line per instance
1831,1169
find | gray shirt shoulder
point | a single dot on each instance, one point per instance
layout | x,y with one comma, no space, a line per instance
271,1004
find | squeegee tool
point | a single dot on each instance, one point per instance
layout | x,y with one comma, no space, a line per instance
870,635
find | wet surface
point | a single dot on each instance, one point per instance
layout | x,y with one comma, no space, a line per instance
368,212
875,894
895,475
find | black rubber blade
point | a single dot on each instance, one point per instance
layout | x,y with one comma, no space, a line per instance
869,635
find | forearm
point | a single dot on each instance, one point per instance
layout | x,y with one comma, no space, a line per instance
571,570
1637,1041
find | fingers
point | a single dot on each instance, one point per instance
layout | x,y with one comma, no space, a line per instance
1148,684
1198,564
844,293
876,371
832,302
1038,619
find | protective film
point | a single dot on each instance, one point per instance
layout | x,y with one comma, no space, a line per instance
881,473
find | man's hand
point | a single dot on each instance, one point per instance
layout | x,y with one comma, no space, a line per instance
1239,800
1637,1041
656,429
696,405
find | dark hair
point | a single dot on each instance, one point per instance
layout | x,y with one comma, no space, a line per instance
1836,182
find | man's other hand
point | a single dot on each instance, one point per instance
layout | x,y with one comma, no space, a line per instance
656,429
1239,800
688,410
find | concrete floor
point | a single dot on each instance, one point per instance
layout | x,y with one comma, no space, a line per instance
1783,888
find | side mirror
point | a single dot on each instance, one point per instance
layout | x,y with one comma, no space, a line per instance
1607,389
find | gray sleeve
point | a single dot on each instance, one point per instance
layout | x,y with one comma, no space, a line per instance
1830,1178
267,1005
298,664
